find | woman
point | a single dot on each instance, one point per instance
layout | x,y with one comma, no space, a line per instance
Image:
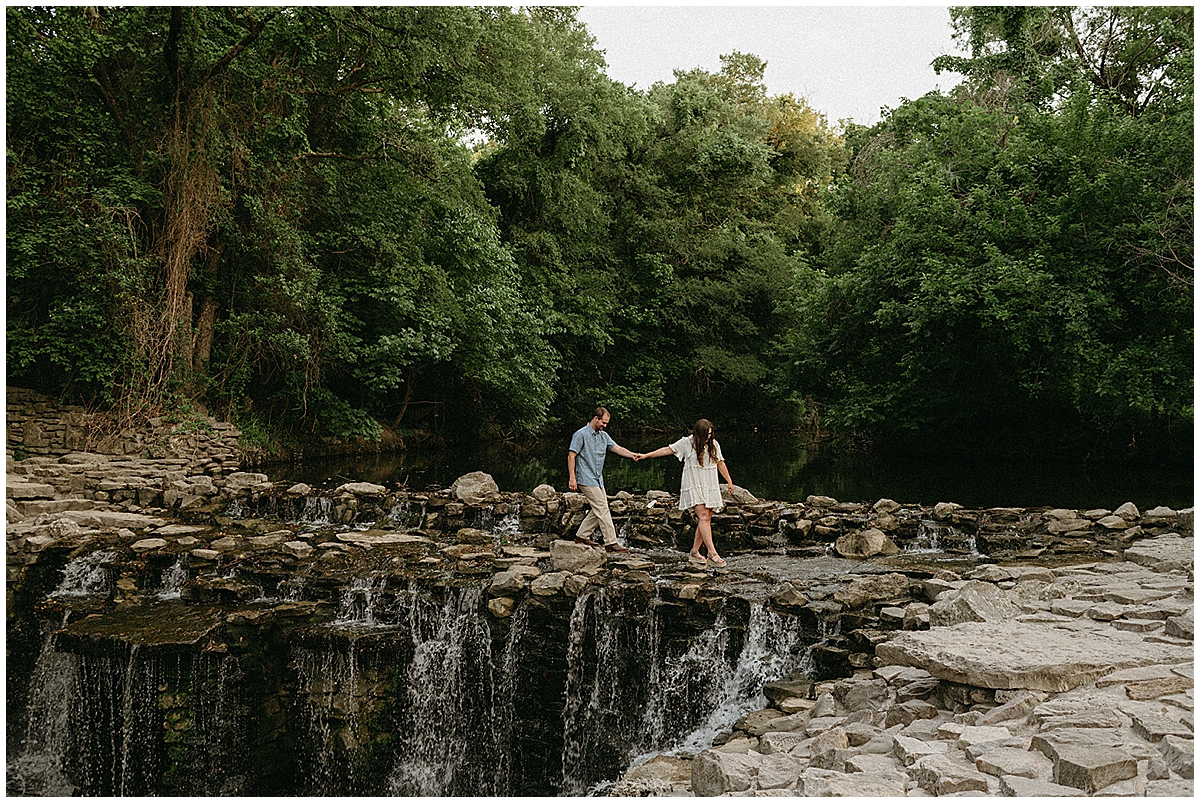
702,459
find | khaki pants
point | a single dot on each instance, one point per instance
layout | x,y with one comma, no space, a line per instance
598,516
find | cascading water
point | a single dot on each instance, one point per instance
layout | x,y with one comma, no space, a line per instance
38,768
506,529
88,575
358,602
457,709
691,691
410,690
173,581
772,648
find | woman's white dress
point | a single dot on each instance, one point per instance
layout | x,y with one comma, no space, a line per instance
700,485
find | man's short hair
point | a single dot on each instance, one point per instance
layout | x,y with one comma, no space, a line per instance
600,412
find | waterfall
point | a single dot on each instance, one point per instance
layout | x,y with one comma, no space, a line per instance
403,517
359,601
88,575
333,694
38,768
173,581
318,510
632,694
132,722
457,702
507,528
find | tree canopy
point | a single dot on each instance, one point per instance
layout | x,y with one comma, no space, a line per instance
351,220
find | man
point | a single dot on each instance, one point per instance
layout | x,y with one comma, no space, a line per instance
589,446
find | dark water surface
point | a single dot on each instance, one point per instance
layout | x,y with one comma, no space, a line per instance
781,467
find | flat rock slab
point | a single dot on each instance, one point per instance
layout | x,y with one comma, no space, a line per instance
144,625
389,539
27,490
1163,554
113,519
1025,655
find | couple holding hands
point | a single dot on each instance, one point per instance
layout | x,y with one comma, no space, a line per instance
701,457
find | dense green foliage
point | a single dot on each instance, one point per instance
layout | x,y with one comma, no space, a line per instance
344,220
1017,259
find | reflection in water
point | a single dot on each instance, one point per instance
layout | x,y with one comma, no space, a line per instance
780,466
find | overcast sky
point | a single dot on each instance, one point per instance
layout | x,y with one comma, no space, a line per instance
847,61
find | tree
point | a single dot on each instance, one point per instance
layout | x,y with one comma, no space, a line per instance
1019,268
214,161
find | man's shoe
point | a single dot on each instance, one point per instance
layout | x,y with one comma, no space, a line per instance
615,548
585,541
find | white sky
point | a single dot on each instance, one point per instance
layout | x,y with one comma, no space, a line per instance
847,61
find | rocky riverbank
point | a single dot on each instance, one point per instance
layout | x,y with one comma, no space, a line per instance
1000,651
1029,682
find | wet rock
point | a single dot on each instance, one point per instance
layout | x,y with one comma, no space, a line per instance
361,489
512,581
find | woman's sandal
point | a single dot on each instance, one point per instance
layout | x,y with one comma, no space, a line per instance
720,563
696,556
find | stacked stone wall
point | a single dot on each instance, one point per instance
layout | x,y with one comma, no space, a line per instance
39,426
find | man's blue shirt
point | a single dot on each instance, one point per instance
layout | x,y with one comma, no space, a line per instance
591,447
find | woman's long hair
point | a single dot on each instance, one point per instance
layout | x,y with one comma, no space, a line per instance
701,437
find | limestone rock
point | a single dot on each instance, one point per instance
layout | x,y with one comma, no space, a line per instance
474,487
379,539
1024,655
940,775
297,548
1179,753
974,602
1018,786
501,607
739,496
543,493
146,544
568,556
715,772
361,489
1013,761
788,596
873,587
865,543
512,581
548,585
778,771
816,782
1091,768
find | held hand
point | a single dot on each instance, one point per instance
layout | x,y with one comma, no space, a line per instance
638,456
